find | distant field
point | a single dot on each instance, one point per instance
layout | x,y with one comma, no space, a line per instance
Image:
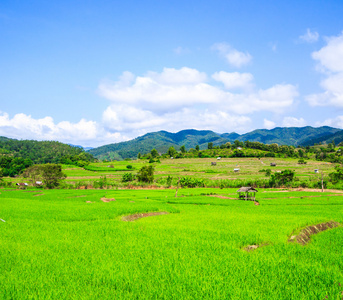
202,168
69,244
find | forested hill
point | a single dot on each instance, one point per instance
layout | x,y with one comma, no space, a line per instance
294,136
40,151
162,140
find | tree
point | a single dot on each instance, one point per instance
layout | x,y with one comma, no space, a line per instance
154,153
171,151
146,174
278,179
210,145
183,149
337,175
50,174
197,148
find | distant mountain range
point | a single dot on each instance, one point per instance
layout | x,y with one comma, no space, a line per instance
162,140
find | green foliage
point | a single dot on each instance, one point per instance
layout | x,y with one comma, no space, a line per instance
282,178
50,174
130,167
337,175
191,182
146,174
101,183
128,177
183,149
210,145
302,161
172,152
154,153
40,152
12,166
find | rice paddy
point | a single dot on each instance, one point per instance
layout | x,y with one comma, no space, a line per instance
69,244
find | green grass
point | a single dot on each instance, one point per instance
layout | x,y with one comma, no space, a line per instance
55,245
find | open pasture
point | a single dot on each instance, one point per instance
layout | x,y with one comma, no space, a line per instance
69,244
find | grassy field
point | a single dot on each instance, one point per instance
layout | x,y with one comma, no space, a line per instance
69,244
200,168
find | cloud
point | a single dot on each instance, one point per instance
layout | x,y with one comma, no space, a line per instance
234,80
293,122
142,121
335,122
330,62
173,99
234,57
309,36
173,90
268,124
20,125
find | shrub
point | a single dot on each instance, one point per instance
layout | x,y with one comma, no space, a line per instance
146,174
128,177
130,167
191,182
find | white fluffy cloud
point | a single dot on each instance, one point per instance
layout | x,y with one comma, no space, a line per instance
310,36
173,90
234,80
330,62
84,132
335,122
293,122
268,124
234,57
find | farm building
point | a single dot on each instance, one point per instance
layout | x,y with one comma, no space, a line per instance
236,170
219,158
246,193
273,164
213,163
316,170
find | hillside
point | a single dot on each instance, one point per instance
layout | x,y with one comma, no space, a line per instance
337,137
288,135
40,151
162,140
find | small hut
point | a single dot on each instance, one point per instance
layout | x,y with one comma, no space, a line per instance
246,193
236,170
273,164
213,163
316,170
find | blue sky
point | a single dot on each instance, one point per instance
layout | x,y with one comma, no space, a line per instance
99,72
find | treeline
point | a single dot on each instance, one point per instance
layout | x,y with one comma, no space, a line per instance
252,149
16,155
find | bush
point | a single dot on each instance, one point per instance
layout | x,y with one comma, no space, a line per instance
191,182
302,161
128,177
130,167
146,174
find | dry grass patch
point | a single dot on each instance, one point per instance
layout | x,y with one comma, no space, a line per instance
134,217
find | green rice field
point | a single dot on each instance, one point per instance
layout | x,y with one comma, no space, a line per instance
70,244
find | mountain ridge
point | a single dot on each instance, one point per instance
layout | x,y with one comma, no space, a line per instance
162,140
